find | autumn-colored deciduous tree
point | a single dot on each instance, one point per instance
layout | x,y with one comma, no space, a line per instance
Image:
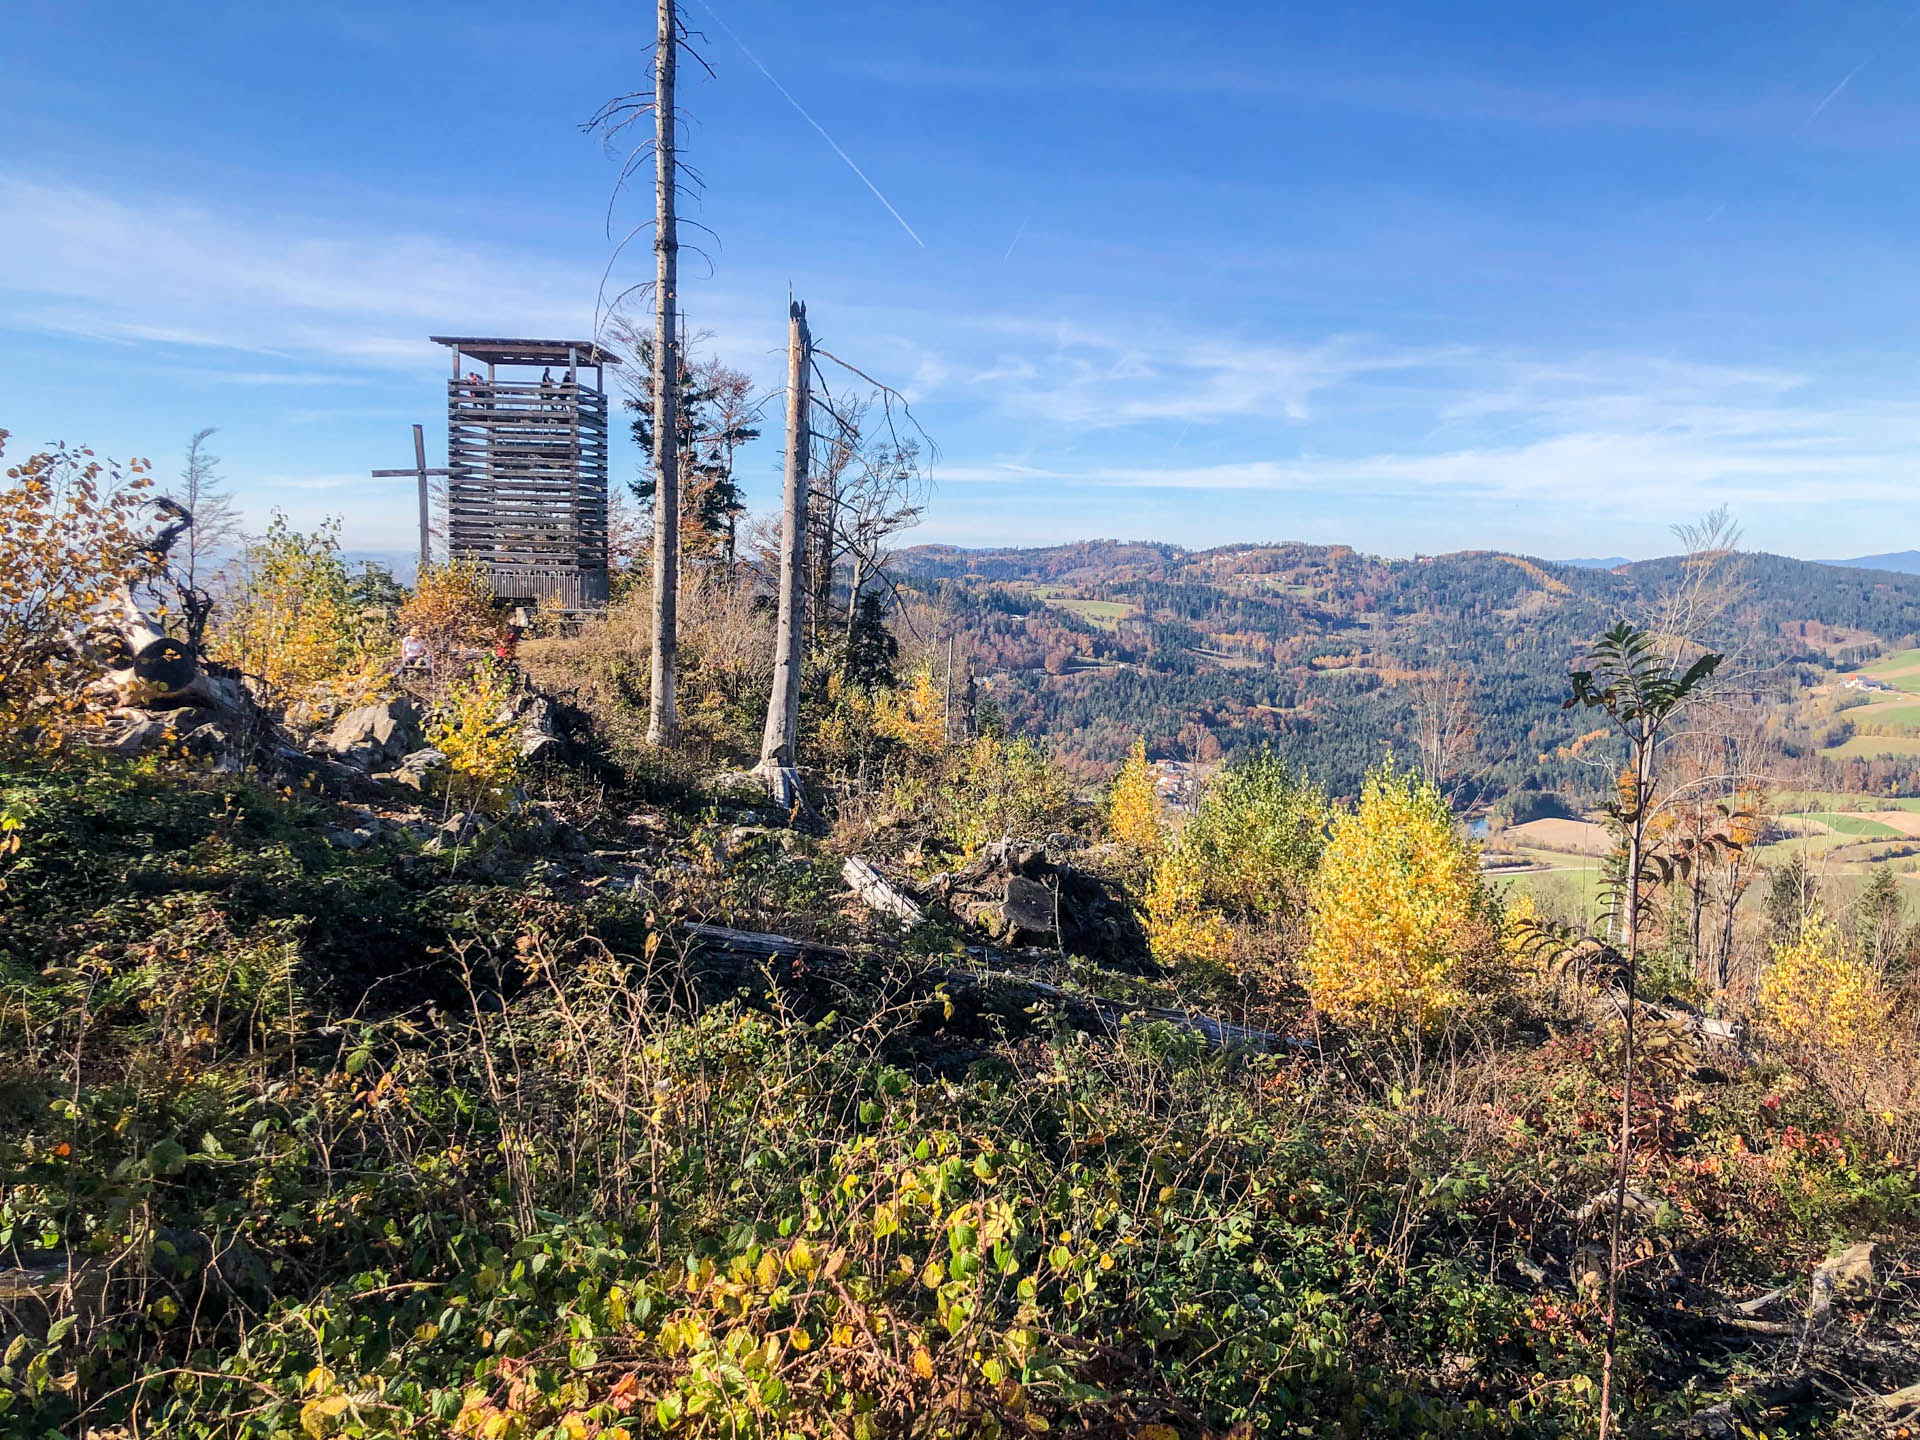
915,714
452,608
72,538
1400,920
1133,809
1249,852
1257,836
292,621
1816,994
1182,928
474,728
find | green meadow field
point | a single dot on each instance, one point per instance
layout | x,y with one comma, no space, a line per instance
1107,614
1900,670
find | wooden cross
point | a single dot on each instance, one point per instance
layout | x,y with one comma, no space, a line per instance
422,472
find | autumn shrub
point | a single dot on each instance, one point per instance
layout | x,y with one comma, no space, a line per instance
1256,838
838,729
995,787
72,539
1401,925
1133,806
291,621
475,728
453,609
1184,929
888,741
1819,995
914,713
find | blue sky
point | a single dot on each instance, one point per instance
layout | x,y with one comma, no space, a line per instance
1409,277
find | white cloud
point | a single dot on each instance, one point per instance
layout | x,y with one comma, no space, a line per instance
1023,402
80,262
1357,419
1067,375
1598,471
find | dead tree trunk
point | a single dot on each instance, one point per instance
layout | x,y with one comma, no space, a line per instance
855,584
820,562
662,721
778,744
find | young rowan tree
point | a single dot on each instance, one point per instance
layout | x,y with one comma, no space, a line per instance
1637,682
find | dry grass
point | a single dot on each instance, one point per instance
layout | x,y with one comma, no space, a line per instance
726,666
1574,837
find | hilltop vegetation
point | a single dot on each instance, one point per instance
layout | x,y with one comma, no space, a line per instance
545,1084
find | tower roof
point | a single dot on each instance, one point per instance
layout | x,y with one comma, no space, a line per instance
492,350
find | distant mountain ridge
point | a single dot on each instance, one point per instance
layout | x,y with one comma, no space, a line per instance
402,564
1089,559
1898,562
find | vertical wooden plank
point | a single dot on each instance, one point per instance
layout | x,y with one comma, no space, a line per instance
420,464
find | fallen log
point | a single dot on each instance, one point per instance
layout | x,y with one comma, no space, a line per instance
878,893
1905,1398
754,942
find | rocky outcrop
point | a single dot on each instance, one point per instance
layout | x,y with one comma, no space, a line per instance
378,736
417,770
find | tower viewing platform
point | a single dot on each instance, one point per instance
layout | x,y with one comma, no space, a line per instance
527,466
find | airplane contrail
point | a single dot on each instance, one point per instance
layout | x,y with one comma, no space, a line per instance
1834,94
813,122
1016,238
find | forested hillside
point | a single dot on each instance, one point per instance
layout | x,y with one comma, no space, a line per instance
1325,652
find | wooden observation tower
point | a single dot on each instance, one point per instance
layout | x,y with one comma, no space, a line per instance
527,467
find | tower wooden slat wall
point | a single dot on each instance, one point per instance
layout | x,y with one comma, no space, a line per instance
527,469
